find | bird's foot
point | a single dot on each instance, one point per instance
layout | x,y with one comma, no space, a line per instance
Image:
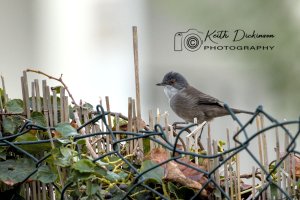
176,125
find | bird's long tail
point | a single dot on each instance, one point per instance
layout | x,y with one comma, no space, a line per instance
242,111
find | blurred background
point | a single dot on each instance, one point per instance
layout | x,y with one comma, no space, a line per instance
90,43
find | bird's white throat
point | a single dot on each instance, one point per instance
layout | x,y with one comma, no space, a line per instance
170,91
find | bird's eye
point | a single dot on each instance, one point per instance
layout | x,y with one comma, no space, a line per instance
172,81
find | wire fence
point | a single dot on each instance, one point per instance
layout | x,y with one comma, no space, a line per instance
158,136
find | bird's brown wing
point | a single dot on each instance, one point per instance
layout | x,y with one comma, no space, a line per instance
202,98
190,103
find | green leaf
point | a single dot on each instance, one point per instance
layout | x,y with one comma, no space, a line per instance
15,106
181,192
63,156
3,152
32,148
45,175
91,188
71,112
66,130
84,166
38,118
123,175
117,193
99,171
81,142
15,171
9,125
156,173
66,152
113,177
87,106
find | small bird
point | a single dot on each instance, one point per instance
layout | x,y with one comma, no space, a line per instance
189,103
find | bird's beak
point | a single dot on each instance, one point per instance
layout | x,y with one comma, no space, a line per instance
160,84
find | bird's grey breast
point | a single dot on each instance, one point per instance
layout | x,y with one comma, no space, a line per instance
170,91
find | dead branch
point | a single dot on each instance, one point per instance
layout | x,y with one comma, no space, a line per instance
57,79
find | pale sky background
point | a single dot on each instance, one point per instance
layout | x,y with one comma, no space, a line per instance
90,43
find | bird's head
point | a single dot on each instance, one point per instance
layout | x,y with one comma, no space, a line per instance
175,80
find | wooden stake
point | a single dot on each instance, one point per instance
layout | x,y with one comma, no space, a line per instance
293,173
4,91
230,166
209,149
238,169
33,97
102,124
26,94
66,110
216,162
62,107
129,126
38,96
278,174
253,183
287,167
50,106
137,81
226,170
117,125
45,98
109,123
54,106
23,95
260,152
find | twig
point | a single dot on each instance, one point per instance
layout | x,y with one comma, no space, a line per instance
57,79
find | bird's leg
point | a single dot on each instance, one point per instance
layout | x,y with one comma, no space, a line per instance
199,138
175,125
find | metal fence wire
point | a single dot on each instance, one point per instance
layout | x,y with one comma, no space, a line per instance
158,136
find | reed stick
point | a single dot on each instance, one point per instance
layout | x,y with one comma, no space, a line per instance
26,94
38,96
238,173
49,106
151,126
5,99
33,97
55,108
62,105
209,149
135,126
44,194
109,124
253,182
45,98
51,192
293,173
227,181
265,153
216,162
23,95
117,125
45,102
260,153
33,189
66,110
129,126
278,174
287,166
137,81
